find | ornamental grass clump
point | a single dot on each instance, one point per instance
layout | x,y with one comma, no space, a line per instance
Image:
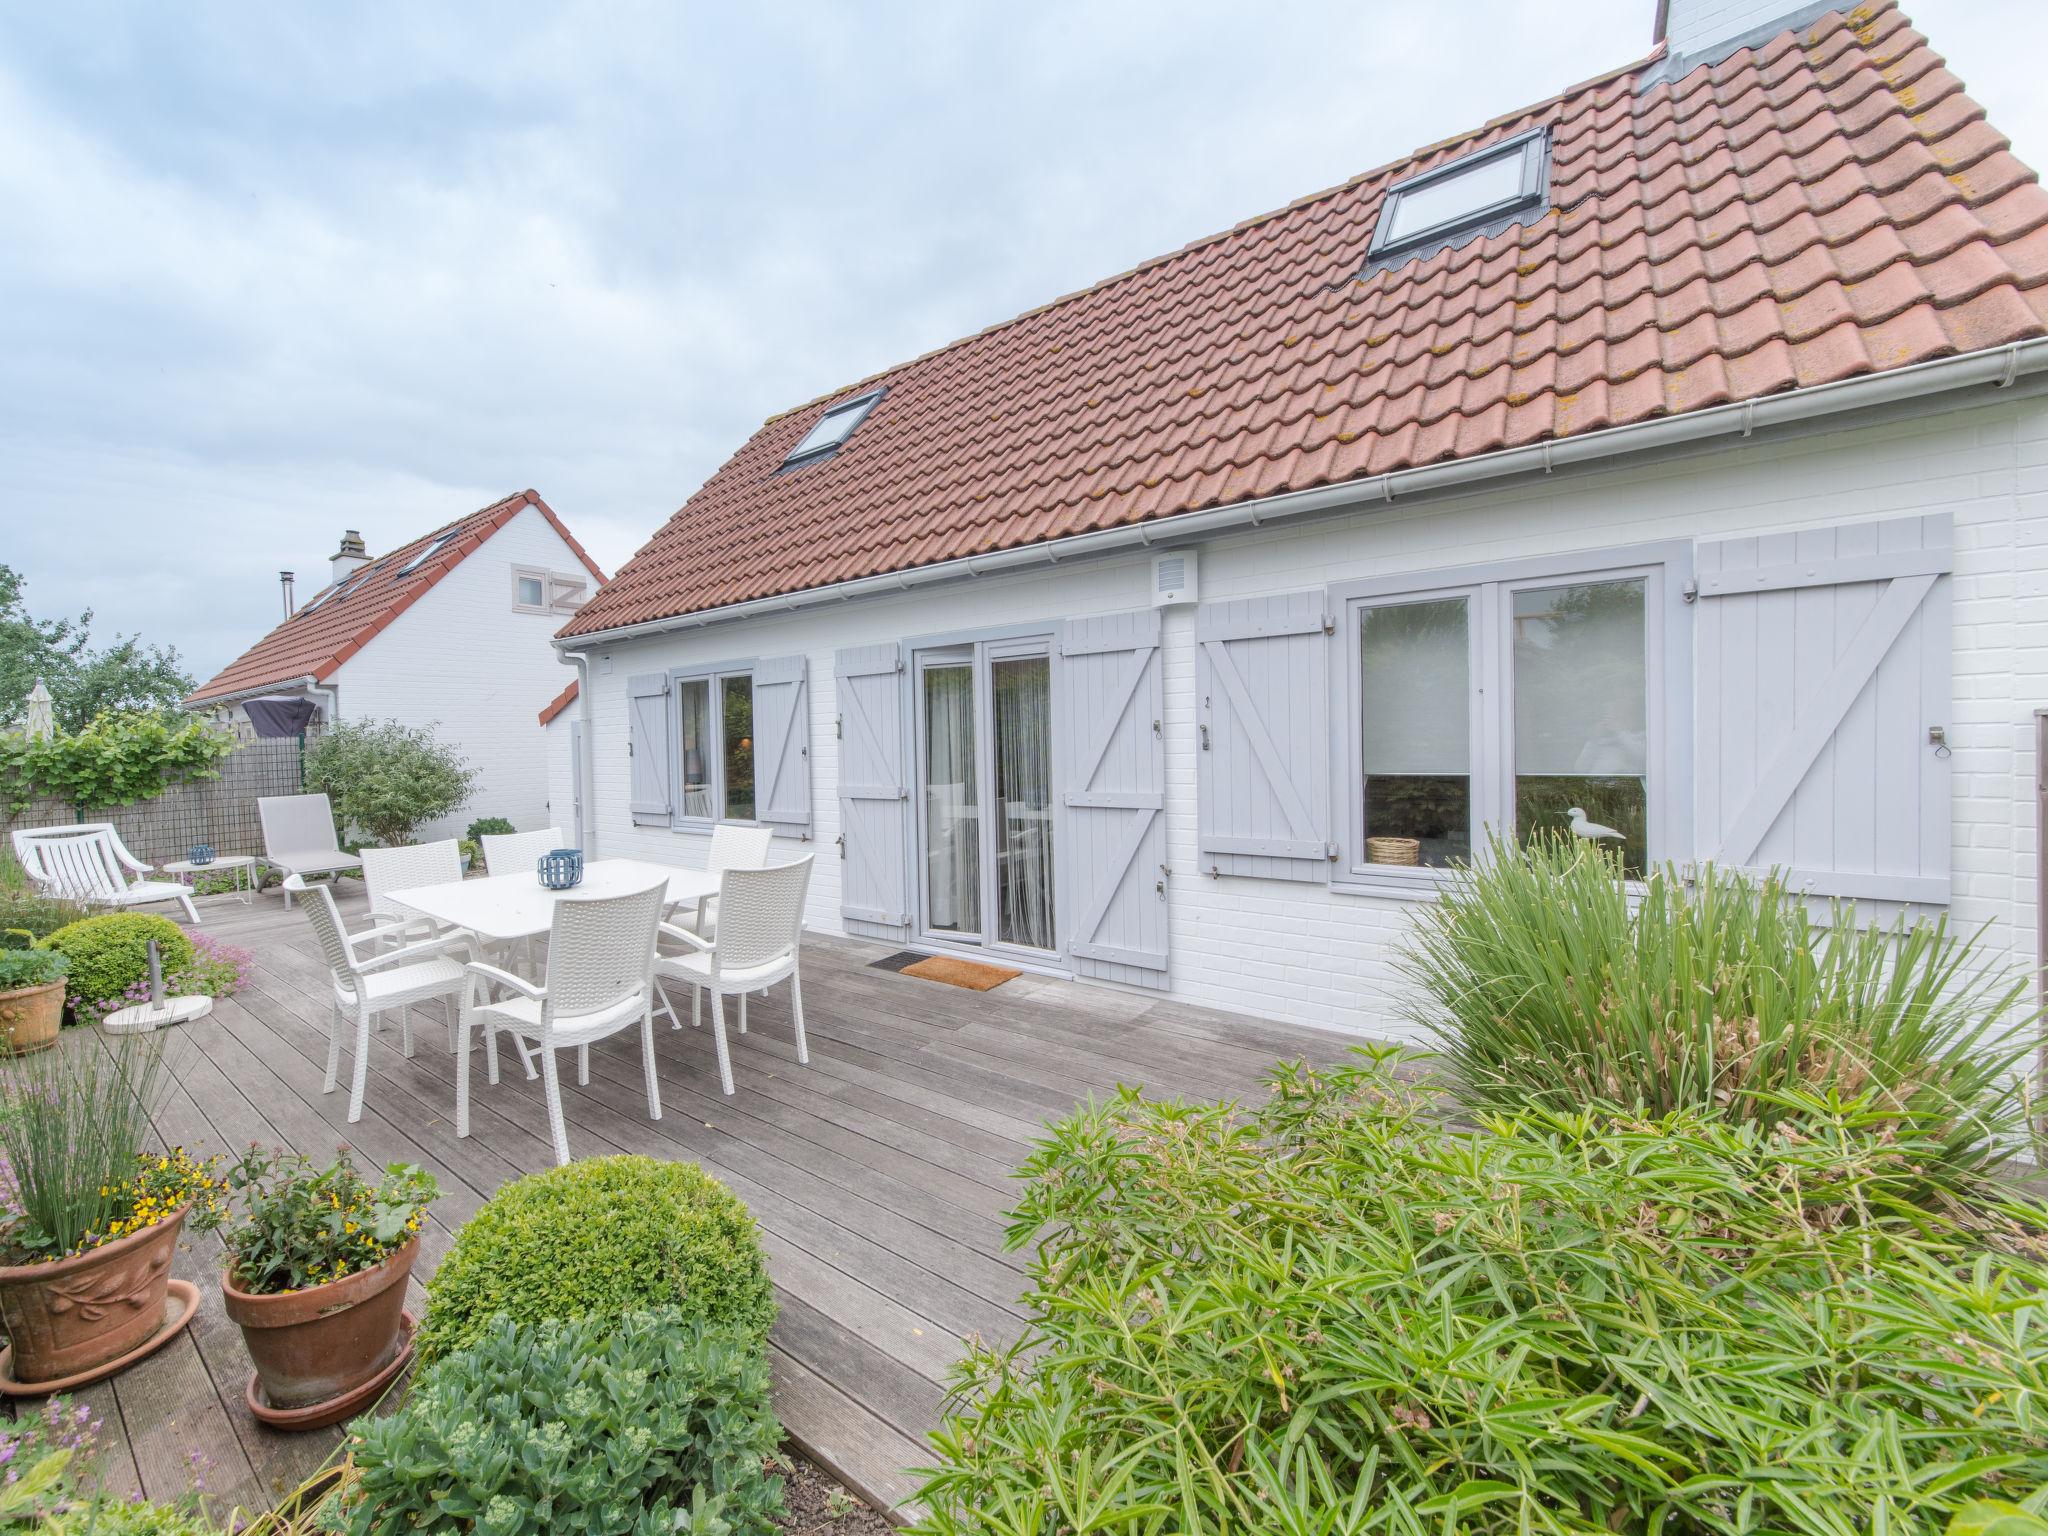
1337,1314
1544,979
74,1127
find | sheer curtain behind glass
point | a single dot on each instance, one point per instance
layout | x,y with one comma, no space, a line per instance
695,696
1581,710
1415,672
952,825
1023,744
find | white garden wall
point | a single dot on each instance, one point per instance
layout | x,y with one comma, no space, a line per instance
462,659
1307,954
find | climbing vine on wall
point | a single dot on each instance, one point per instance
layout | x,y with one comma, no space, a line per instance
117,760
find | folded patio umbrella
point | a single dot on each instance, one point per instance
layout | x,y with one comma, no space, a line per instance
280,714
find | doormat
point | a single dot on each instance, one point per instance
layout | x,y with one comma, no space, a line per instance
902,960
970,974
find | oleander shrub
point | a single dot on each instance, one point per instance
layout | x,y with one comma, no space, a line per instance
110,953
386,779
651,1422
1335,1313
1542,979
598,1239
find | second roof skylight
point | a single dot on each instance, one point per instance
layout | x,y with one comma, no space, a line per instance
833,428
1428,212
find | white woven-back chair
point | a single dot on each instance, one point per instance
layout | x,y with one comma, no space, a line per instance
600,981
299,838
760,929
518,853
733,846
367,985
87,862
388,870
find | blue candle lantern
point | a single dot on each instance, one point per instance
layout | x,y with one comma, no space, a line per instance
561,869
200,853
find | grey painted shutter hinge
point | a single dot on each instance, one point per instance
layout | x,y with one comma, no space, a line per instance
839,727
841,841
1329,625
1330,852
1691,590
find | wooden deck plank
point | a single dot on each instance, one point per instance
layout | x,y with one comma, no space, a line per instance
880,1172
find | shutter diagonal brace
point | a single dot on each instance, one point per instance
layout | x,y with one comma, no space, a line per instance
1822,714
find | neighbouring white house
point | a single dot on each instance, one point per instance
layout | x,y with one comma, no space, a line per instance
1675,449
451,629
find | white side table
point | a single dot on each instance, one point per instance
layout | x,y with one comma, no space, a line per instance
244,865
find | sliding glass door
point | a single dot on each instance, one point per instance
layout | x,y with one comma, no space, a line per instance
985,832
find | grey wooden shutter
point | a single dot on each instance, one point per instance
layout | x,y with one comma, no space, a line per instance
1824,661
648,740
1262,712
1110,751
874,794
782,744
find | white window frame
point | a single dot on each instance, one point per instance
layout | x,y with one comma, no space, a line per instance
1666,569
714,676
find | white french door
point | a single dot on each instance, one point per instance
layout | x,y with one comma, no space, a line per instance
985,794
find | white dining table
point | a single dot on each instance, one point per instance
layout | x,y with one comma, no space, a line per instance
507,907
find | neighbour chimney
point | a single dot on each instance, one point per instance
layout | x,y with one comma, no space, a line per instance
1716,28
350,558
284,580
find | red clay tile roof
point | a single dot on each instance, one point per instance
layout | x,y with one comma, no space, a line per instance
316,641
1829,203
559,702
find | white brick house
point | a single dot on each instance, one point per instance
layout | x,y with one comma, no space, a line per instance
1676,448
451,629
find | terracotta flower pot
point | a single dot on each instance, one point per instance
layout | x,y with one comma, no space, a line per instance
30,1017
319,1344
65,1318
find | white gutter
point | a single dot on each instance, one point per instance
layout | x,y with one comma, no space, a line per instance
2000,366
309,682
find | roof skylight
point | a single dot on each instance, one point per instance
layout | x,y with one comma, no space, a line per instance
833,428
427,554
1428,212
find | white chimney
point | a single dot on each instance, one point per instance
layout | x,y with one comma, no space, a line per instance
284,581
348,559
1705,31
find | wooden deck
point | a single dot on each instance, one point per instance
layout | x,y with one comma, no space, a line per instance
879,1173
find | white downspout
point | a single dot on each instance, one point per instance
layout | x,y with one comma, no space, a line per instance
587,768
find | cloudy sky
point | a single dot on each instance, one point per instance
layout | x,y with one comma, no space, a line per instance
268,271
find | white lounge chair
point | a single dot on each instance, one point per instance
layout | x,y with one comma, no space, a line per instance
518,853
365,986
88,862
299,837
600,981
760,929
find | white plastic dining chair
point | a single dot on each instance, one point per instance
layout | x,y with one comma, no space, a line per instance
760,930
518,853
367,986
600,980
733,846
386,870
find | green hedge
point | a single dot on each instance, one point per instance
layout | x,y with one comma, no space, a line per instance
110,953
1334,1314
598,1239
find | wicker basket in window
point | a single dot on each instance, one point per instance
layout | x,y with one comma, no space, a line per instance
1393,850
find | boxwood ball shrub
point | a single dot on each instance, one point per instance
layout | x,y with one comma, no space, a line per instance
1541,977
598,1239
110,953
1337,1314
653,1422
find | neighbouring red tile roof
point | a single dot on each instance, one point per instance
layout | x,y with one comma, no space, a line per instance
559,702
316,641
1826,204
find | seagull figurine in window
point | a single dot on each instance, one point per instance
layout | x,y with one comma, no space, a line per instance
1591,830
